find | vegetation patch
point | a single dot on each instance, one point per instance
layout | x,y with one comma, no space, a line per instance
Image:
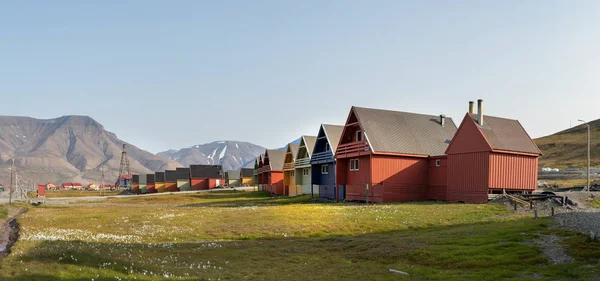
224,236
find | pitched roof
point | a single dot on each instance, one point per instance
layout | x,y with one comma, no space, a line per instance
506,134
405,132
276,158
247,173
233,175
294,148
333,134
309,142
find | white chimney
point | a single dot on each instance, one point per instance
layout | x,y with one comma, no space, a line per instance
442,120
471,107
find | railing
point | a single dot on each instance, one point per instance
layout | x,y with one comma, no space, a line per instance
288,166
353,147
321,157
303,162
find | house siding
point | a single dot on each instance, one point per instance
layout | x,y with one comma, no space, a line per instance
438,179
325,182
513,172
468,177
354,181
399,178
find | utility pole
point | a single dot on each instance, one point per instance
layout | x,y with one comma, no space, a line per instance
587,188
12,174
102,180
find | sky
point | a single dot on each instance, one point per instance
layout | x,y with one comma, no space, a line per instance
172,74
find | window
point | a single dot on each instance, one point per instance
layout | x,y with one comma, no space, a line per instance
327,147
353,164
305,172
325,169
358,135
437,163
292,174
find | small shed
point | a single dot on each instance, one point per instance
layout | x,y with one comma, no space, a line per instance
247,177
183,179
135,184
151,183
233,178
171,181
159,182
41,191
143,181
303,167
490,155
323,163
289,171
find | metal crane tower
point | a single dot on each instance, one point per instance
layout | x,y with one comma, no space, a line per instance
124,180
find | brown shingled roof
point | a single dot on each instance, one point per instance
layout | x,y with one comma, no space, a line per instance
309,143
506,134
276,158
333,133
405,132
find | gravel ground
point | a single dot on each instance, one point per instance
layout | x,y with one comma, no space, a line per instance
551,249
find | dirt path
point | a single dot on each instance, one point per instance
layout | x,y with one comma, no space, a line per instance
9,233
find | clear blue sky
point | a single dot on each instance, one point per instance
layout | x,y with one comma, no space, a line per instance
171,74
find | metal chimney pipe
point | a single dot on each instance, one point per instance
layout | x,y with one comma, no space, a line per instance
442,120
480,112
471,107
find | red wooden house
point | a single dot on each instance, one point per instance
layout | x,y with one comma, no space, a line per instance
273,171
389,152
490,155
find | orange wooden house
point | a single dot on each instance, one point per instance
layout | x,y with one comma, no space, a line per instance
272,171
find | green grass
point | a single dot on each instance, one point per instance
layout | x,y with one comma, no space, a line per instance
595,203
248,236
73,193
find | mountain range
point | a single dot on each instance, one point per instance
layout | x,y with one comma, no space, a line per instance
72,149
68,148
232,155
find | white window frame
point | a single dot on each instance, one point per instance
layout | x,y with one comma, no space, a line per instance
354,165
327,148
292,174
305,172
325,169
358,135
438,162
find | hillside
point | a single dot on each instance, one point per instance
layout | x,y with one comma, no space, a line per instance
68,148
568,148
231,154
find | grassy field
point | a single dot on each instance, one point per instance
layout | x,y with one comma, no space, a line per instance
249,236
73,193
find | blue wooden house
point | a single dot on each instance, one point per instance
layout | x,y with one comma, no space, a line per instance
323,163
